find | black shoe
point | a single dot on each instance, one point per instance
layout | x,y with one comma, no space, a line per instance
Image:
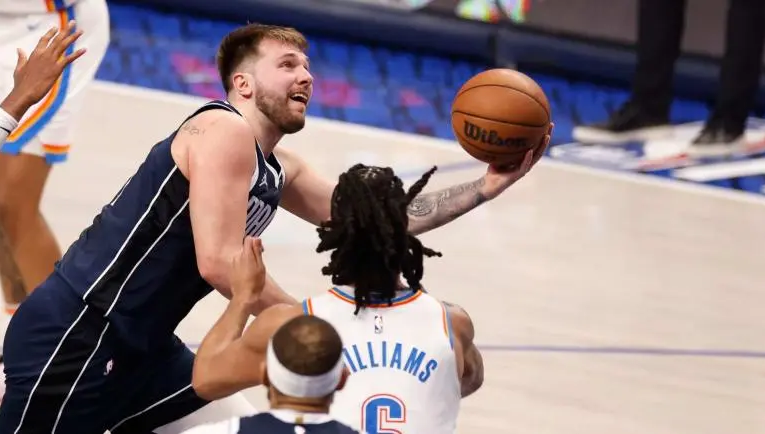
629,122
718,138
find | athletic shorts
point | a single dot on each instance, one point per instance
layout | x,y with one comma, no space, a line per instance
67,371
46,128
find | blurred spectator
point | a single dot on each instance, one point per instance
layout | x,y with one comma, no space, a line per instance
660,31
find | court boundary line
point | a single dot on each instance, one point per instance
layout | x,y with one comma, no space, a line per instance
438,143
610,351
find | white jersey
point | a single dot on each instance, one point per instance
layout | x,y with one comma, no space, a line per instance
29,7
402,363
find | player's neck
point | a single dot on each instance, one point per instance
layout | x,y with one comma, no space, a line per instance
266,133
300,405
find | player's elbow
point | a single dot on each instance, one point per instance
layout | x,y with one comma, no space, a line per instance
213,270
205,385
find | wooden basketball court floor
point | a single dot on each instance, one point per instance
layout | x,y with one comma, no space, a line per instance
604,303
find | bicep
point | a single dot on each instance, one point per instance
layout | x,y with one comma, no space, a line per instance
306,194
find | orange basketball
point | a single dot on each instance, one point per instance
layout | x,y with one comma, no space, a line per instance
498,115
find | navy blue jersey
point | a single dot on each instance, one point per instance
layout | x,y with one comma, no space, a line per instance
137,263
268,423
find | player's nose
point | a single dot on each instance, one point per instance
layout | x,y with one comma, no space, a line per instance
305,78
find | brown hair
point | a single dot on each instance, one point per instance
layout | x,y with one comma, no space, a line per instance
307,345
246,40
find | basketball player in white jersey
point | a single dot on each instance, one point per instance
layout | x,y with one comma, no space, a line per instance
43,136
410,356
33,78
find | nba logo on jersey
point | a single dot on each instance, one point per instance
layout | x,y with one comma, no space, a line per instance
378,324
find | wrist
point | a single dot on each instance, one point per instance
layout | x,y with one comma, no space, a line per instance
244,304
16,104
486,194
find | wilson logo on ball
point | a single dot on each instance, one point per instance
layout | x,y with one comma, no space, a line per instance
491,137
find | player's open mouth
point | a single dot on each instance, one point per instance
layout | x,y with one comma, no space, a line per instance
300,97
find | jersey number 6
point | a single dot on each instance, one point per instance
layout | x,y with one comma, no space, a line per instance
380,412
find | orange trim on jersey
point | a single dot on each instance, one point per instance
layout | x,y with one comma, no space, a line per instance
307,307
447,320
399,301
63,17
50,5
56,149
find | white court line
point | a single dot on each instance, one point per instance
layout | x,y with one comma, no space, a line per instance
443,144
731,169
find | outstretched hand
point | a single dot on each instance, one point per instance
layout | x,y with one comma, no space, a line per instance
498,178
248,272
35,75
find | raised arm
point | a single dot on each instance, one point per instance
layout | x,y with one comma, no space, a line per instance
308,195
429,211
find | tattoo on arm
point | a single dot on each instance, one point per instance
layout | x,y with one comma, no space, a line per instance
10,271
431,210
192,129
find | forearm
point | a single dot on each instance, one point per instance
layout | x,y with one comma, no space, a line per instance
472,379
217,366
432,210
211,377
16,105
226,330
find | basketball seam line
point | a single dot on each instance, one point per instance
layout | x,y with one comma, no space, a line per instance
498,121
506,87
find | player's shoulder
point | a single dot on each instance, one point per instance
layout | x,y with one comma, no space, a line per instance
225,120
459,318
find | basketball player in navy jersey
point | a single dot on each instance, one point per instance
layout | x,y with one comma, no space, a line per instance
303,368
93,347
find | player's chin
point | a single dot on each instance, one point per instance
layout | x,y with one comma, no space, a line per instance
295,123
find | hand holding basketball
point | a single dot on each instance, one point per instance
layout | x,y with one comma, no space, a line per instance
248,272
499,115
499,178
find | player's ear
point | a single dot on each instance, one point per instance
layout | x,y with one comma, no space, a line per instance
243,84
343,378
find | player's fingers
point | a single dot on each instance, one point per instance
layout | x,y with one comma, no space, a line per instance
72,57
247,252
527,159
21,60
45,39
257,250
61,45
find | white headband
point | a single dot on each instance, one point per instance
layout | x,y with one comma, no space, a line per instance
301,386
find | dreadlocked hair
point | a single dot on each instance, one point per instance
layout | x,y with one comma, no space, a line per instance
368,234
